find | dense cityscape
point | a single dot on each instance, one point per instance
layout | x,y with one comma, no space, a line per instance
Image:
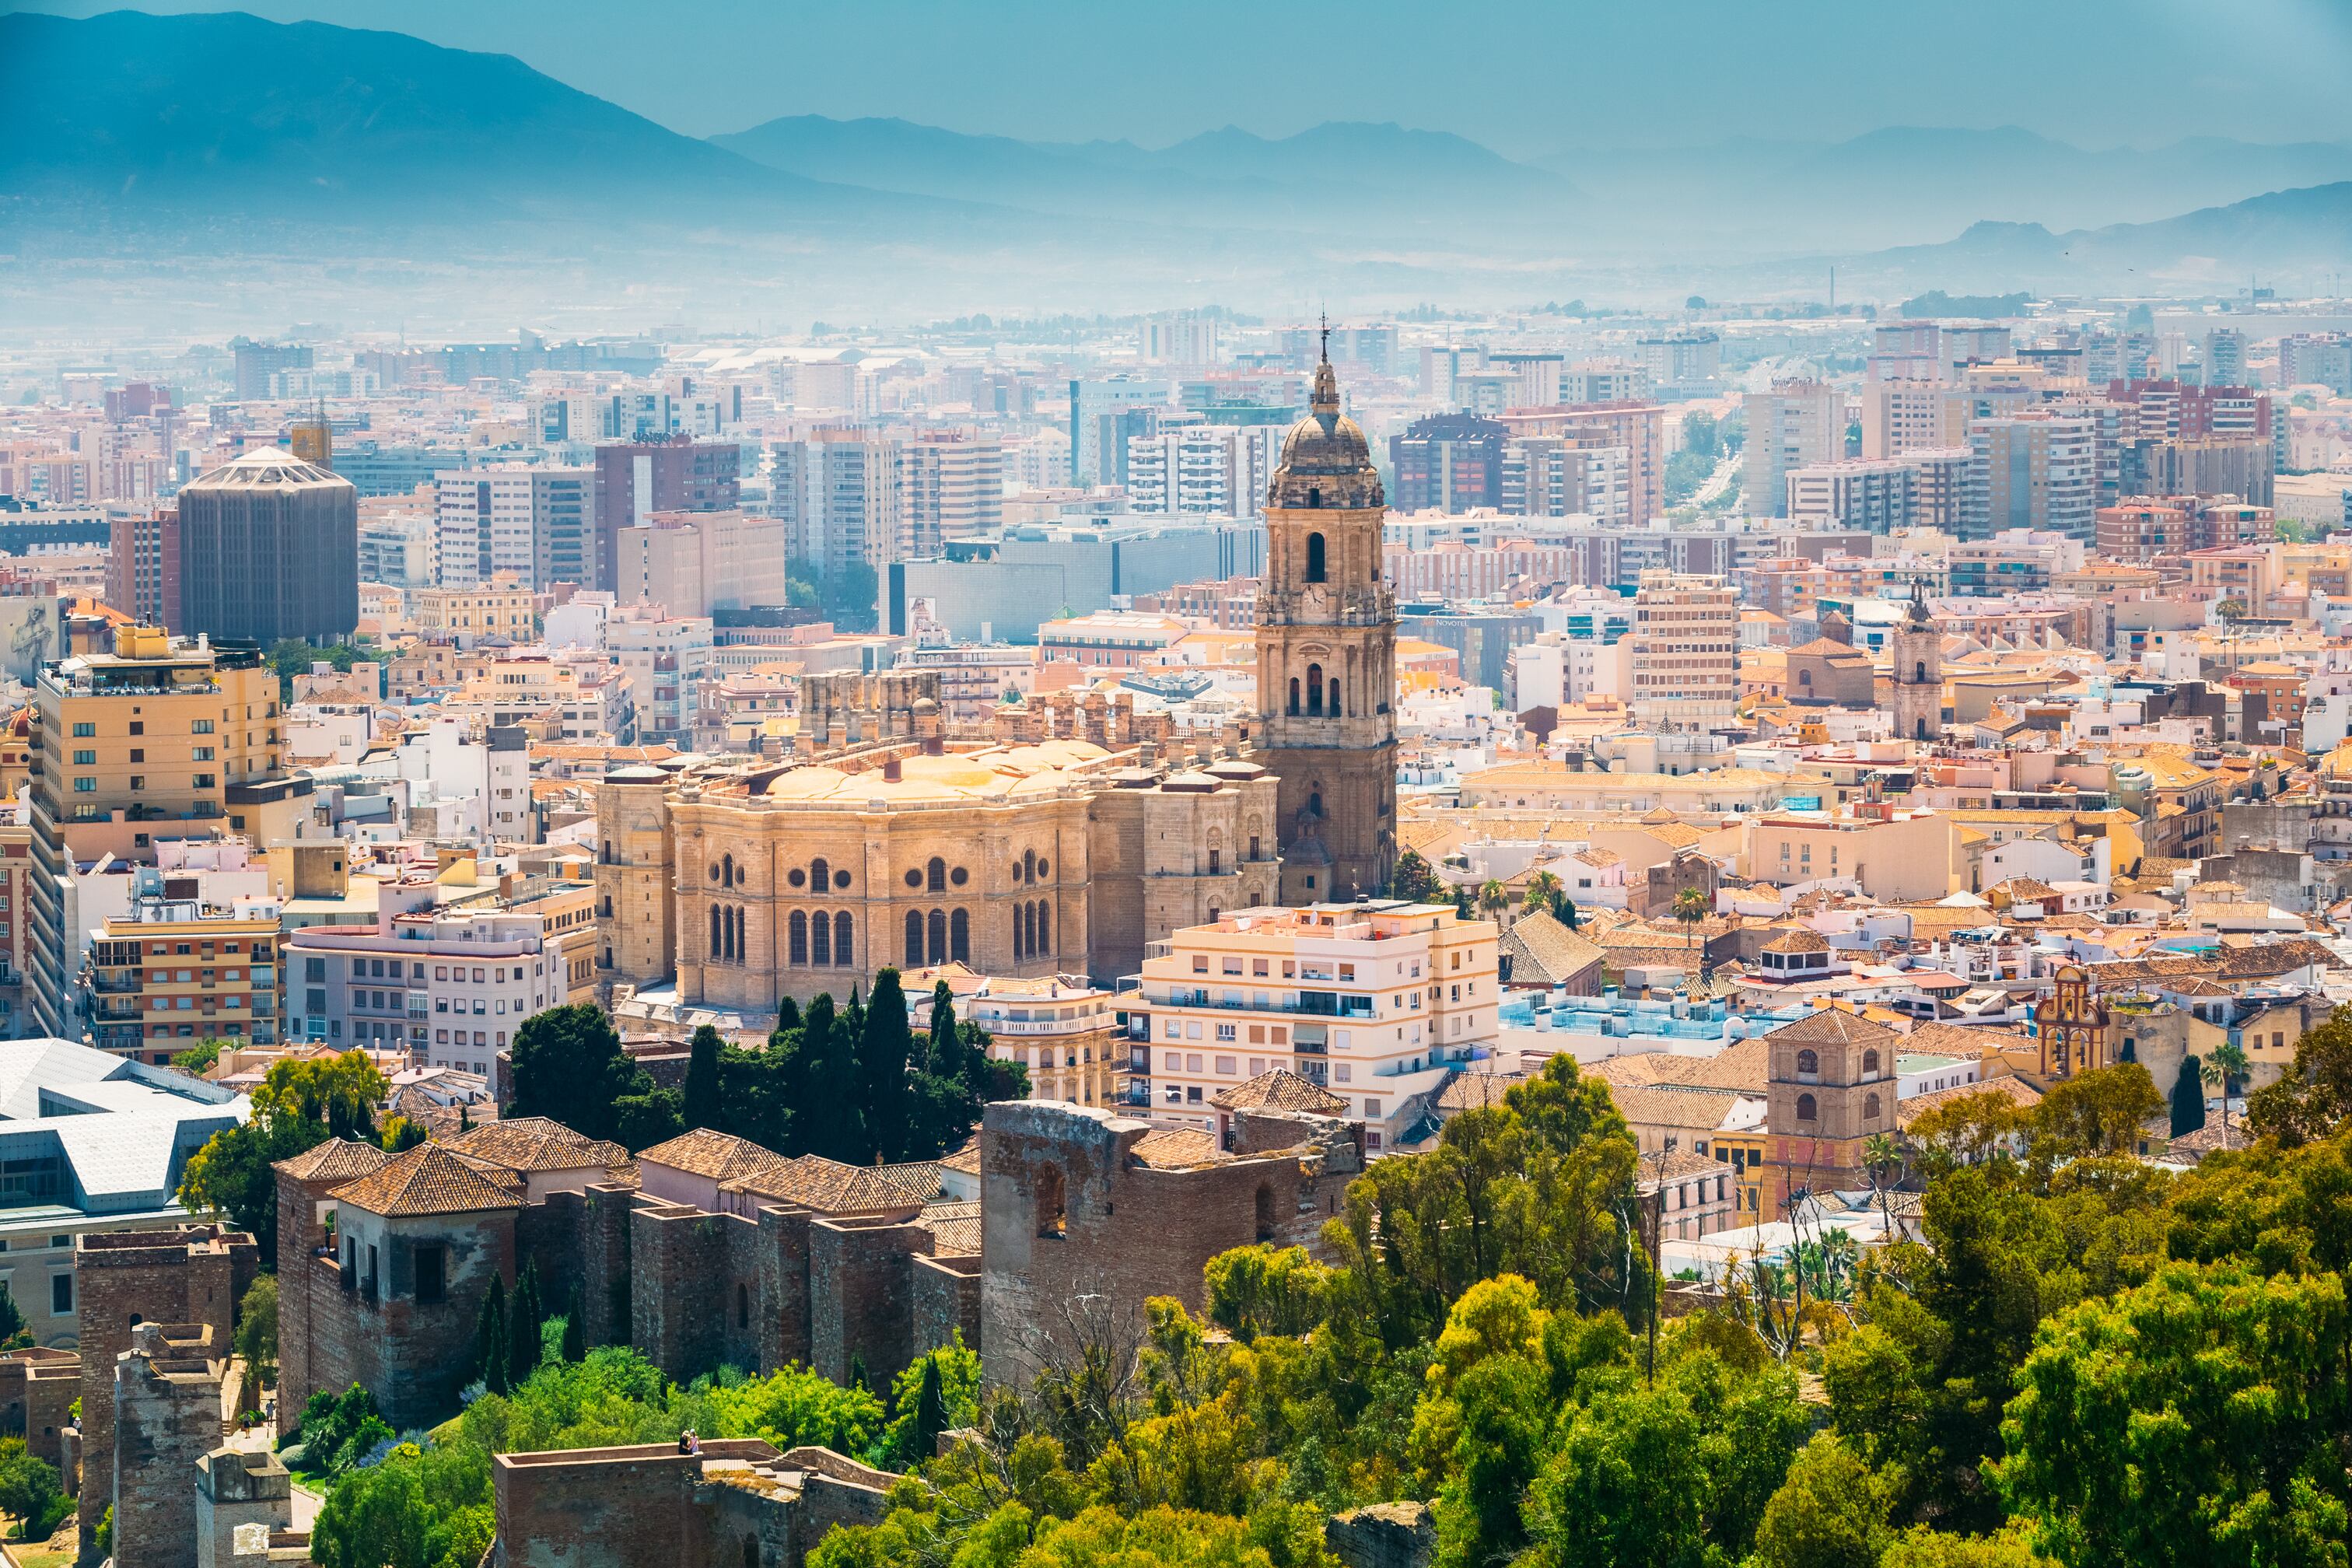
821,893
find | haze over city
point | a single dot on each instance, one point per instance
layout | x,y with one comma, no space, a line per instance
872,786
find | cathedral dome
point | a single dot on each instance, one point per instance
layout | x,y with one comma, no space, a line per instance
1326,461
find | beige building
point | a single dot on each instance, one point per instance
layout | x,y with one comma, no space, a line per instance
178,970
503,607
1555,786
164,738
1894,853
1902,416
1062,848
1682,656
1380,1003
1063,1031
693,563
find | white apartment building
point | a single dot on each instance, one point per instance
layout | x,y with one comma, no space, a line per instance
1379,1003
1794,425
475,779
537,524
1879,494
1900,417
837,493
1682,658
1557,475
1214,470
663,660
2035,472
398,551
950,487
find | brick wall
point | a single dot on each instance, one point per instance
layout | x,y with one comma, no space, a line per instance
415,1356
944,1294
167,1417
606,1508
861,1309
687,1269
301,1235
37,1388
784,1286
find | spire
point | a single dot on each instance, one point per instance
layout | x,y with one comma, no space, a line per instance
1325,403
1327,337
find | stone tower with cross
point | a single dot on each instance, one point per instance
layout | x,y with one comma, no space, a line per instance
1326,658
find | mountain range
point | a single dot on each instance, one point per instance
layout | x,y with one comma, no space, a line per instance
139,132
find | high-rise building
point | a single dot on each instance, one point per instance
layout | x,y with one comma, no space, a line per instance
662,661
1879,495
1639,428
694,562
1184,337
1905,416
950,487
1795,425
142,1005
269,550
1099,430
2317,359
164,738
257,363
539,524
1327,659
2032,471
1683,361
2225,357
142,568
839,497
1682,658
1555,476
1448,462
1209,470
633,478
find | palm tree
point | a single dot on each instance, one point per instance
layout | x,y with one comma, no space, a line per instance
1541,886
2226,1062
1494,899
1690,908
1880,1154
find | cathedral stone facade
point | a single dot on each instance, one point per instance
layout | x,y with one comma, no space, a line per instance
1327,659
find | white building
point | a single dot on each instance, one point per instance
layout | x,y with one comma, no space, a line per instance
475,781
537,524
663,660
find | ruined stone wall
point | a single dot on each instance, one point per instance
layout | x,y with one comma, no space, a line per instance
604,1272
861,1311
596,1508
943,1296
37,1389
167,1417
686,1268
301,1235
783,1263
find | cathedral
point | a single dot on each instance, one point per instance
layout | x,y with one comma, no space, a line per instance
1327,659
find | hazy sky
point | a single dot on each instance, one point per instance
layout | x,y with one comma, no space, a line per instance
1525,77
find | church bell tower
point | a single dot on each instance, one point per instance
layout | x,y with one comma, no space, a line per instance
1326,658
1916,701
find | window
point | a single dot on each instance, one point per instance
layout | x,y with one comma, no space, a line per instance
1808,1064
1870,1108
1053,1219
1315,558
1869,1063
61,1300
85,787
432,1274
84,730
1806,1111
85,758
200,727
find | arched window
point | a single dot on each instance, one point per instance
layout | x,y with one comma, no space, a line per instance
1029,865
1053,1219
820,939
1045,928
841,928
1808,1064
751,1552
1265,1212
1921,674
1315,802
820,875
735,938
1870,1063
726,871
1804,678
1020,949
798,937
718,941
1805,1111
1335,697
914,937
1293,696
1870,1108
936,875
938,936
1315,558
1313,690
1029,926
959,937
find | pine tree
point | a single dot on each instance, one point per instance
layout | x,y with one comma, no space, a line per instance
702,1106
575,1331
883,1052
526,1327
492,1348
12,1321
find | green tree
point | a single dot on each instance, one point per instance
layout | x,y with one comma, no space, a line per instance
1628,1485
884,1051
257,1331
198,1058
2195,1419
13,1335
647,1115
2188,1097
940,1390
1494,899
1414,880
569,1067
1691,909
575,1329
1541,887
701,1105
493,1340
1831,1513
2094,1113
299,1106
2313,1099
31,1491
525,1327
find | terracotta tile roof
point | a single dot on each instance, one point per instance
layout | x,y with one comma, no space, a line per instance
965,1159
1681,1165
1476,1091
719,1156
1798,939
1694,1109
1540,948
2022,1093
829,1186
426,1180
1744,1066
536,1143
1176,1148
2210,1137
1960,1040
336,1160
1279,1089
954,1227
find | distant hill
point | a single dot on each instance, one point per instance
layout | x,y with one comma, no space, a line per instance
247,118
1381,175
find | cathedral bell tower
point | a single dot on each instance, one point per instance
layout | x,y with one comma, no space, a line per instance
1915,704
1326,658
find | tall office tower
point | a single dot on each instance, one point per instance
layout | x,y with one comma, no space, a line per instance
1554,476
1682,656
1448,462
2225,357
839,496
164,738
256,363
1912,415
1097,432
634,477
142,568
2031,471
1794,425
1205,470
270,549
537,524
951,485
1327,659
1639,428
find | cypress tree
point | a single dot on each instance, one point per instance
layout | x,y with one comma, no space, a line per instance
576,1332
883,1051
2188,1097
946,1049
526,1325
788,1017
492,1348
701,1105
930,1412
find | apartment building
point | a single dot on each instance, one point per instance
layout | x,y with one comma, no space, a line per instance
1066,1032
451,985
1639,428
1110,640
1796,425
837,493
2033,471
1877,495
695,562
501,605
164,738
633,478
1907,416
178,969
1682,656
1891,852
1558,476
537,525
663,660
1380,1003
952,487
1210,470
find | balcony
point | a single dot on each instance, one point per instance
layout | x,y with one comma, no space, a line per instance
1309,1004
